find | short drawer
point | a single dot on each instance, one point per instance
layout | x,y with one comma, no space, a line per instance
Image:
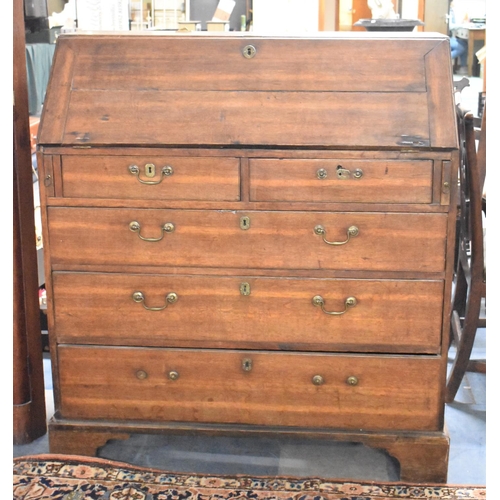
341,180
248,312
151,177
370,392
260,240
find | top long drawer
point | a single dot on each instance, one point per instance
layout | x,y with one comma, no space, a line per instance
248,239
151,177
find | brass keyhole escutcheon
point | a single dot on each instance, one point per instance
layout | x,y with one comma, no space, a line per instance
245,289
173,375
318,380
246,364
150,169
245,223
352,380
249,51
344,173
141,374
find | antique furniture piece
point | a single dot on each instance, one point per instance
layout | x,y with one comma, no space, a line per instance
251,234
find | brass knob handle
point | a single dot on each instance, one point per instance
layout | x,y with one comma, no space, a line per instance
320,302
173,375
135,227
352,232
170,298
321,173
166,171
141,374
352,380
318,380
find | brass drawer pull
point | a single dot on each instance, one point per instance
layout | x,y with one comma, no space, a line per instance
141,374
173,375
139,297
150,171
352,380
318,380
320,302
352,232
135,227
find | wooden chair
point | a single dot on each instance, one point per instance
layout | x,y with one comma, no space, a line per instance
470,271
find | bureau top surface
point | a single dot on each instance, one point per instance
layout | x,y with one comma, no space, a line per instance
328,91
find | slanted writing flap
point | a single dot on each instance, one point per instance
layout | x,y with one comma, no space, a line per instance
190,90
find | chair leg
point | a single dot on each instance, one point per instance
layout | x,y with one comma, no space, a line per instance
466,335
459,299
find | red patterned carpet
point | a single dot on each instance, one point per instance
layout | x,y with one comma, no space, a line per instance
63,477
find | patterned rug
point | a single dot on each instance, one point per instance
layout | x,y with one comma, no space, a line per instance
65,477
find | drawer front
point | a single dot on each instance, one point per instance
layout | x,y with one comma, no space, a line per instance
342,180
260,240
151,177
248,312
250,387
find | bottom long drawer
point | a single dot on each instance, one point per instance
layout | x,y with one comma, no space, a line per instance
369,392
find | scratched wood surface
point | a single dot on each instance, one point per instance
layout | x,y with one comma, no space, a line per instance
394,393
277,313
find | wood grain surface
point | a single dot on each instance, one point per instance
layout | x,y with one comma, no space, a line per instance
317,180
394,393
192,178
283,240
277,314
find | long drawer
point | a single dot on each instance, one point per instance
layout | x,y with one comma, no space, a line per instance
151,177
250,387
249,312
341,180
260,240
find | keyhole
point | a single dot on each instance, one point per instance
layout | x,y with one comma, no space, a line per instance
245,289
246,364
249,51
150,170
245,223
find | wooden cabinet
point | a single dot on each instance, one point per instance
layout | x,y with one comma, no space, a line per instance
243,237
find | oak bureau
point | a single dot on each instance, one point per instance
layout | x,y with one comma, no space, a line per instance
252,235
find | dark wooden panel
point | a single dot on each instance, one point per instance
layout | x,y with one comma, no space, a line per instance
392,392
317,180
192,178
277,314
283,240
28,395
